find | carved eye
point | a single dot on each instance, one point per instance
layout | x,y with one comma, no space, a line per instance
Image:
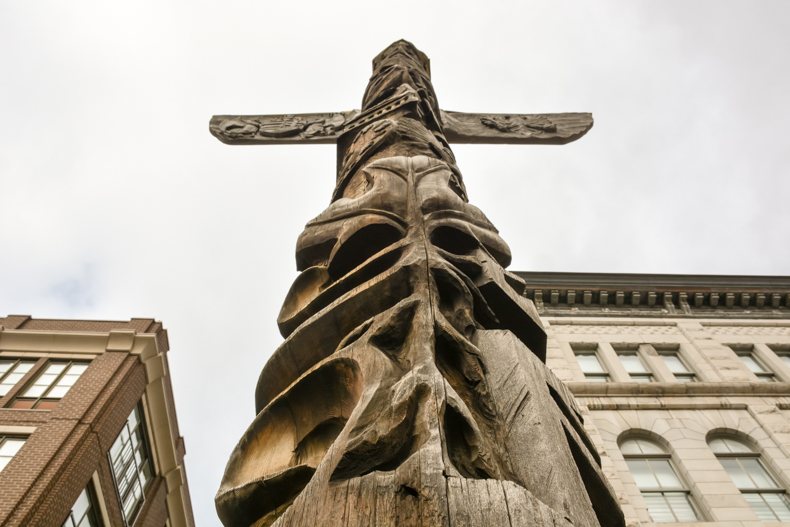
454,240
360,246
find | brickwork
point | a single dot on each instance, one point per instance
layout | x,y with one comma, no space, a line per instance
154,511
52,495
68,444
142,325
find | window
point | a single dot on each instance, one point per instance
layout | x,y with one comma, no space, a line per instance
9,446
783,352
666,496
590,364
131,465
51,385
756,366
676,365
11,372
759,488
84,513
635,365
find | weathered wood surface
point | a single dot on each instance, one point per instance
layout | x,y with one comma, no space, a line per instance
459,127
410,388
285,129
515,129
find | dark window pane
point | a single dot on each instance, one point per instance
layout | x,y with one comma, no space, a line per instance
131,465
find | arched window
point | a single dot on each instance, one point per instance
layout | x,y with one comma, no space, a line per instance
752,478
667,497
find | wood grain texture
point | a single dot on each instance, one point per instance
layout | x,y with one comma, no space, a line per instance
514,128
459,127
410,388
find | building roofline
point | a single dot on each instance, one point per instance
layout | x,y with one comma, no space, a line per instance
137,325
632,294
141,325
654,281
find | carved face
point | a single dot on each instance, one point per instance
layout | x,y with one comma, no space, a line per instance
410,388
380,368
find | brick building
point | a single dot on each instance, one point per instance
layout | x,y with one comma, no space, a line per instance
88,431
684,385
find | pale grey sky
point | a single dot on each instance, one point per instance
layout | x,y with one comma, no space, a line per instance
115,201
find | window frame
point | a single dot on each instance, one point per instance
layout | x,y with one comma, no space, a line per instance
147,460
689,375
602,376
15,363
766,375
5,437
649,492
752,454
93,510
49,403
782,352
643,377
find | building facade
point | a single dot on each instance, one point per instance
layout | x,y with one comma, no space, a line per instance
684,384
88,430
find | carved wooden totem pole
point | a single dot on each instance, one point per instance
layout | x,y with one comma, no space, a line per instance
411,387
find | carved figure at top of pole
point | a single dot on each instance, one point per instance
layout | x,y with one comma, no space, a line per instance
410,388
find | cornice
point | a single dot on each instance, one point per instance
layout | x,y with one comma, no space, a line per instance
658,295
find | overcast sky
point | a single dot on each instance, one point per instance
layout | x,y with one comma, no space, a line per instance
115,201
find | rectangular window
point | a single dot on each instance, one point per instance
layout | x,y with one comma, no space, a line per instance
9,446
85,512
54,381
131,465
676,365
635,366
756,366
590,364
783,352
12,371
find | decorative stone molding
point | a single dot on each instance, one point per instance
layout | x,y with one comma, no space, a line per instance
638,295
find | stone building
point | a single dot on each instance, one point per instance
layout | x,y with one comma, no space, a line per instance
684,384
88,431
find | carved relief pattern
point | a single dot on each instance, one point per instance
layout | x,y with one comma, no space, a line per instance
289,128
516,128
768,331
573,329
410,387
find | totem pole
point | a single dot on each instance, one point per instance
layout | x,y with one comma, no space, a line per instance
411,387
